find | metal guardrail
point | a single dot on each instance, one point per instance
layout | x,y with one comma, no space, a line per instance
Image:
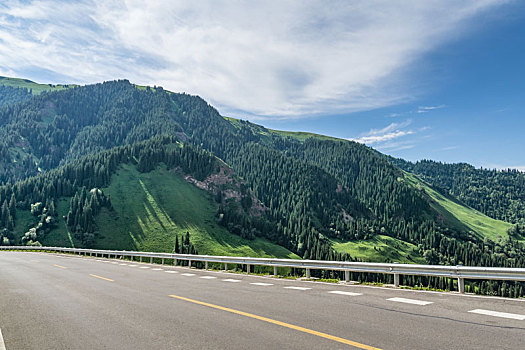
459,272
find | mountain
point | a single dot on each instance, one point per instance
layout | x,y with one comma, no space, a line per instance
123,166
499,194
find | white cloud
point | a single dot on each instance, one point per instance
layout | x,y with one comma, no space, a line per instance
384,137
388,133
448,148
260,58
425,109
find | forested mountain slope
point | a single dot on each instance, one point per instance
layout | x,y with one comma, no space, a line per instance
499,194
317,196
143,197
10,95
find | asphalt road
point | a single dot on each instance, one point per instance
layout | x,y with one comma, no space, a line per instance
65,302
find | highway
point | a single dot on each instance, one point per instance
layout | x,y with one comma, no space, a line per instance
51,301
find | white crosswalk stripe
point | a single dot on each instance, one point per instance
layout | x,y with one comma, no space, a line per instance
297,288
498,314
410,301
344,293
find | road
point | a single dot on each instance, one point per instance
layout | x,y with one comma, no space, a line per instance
50,301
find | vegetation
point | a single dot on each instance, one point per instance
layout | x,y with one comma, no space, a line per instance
462,217
115,165
31,86
381,249
499,194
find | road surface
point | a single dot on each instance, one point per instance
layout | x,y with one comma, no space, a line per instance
51,301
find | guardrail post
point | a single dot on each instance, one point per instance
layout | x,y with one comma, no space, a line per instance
174,262
205,265
461,281
131,256
308,274
162,261
189,264
461,285
275,270
151,260
347,276
396,277
140,259
225,266
248,268
396,280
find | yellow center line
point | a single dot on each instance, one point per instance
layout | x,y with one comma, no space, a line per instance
279,323
62,267
102,278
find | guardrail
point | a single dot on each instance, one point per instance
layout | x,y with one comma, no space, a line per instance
459,272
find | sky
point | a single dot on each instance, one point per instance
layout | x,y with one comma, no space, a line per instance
440,80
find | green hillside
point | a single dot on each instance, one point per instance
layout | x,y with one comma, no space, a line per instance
380,249
150,209
31,85
266,133
459,215
315,196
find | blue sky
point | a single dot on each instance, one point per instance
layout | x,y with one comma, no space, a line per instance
429,79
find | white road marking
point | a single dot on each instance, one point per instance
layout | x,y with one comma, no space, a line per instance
157,269
498,314
230,280
171,271
410,301
345,293
144,267
132,265
122,264
2,344
262,284
297,288
208,277
187,274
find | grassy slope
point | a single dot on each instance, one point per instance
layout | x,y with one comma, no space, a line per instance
37,88
456,214
299,135
380,249
460,215
151,208
302,136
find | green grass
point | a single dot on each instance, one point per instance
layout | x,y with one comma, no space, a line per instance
298,135
150,209
380,249
459,215
302,136
60,235
36,88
